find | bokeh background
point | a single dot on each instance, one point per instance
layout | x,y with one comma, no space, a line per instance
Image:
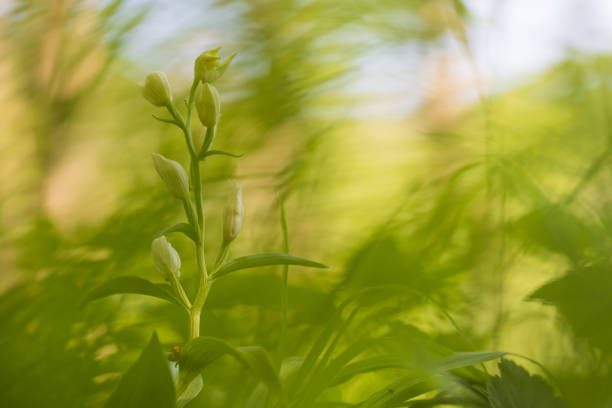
458,151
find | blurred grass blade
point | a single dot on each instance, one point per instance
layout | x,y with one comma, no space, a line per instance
465,359
285,280
148,383
394,395
181,227
132,285
254,261
368,365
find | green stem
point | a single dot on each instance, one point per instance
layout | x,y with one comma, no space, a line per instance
191,216
223,251
208,139
285,287
178,288
203,286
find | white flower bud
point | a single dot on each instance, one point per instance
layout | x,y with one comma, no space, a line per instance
173,174
233,215
208,105
166,258
156,89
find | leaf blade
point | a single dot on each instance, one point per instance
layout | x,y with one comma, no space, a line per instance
183,227
254,261
516,388
465,359
207,153
132,285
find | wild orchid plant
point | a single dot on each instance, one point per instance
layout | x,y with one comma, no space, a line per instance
198,351
298,382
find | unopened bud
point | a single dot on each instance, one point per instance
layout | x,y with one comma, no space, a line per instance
156,89
173,174
199,134
208,105
233,215
208,67
166,258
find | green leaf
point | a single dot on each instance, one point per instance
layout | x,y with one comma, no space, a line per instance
202,351
133,285
207,153
583,298
515,388
459,360
253,261
181,227
368,365
148,383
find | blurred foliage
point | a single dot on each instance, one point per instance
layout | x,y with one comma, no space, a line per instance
489,229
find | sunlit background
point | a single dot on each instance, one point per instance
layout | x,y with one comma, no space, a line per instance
459,150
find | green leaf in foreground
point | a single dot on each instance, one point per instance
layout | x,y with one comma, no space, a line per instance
253,261
202,351
148,383
133,285
516,388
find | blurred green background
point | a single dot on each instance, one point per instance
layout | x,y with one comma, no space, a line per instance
458,152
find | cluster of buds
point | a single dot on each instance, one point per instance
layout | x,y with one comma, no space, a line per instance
208,68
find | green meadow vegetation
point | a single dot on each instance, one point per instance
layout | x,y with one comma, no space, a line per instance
237,231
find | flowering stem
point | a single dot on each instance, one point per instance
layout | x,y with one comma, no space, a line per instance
203,286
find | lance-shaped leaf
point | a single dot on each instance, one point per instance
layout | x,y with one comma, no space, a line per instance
133,285
454,361
254,261
466,359
148,383
202,351
205,153
183,227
